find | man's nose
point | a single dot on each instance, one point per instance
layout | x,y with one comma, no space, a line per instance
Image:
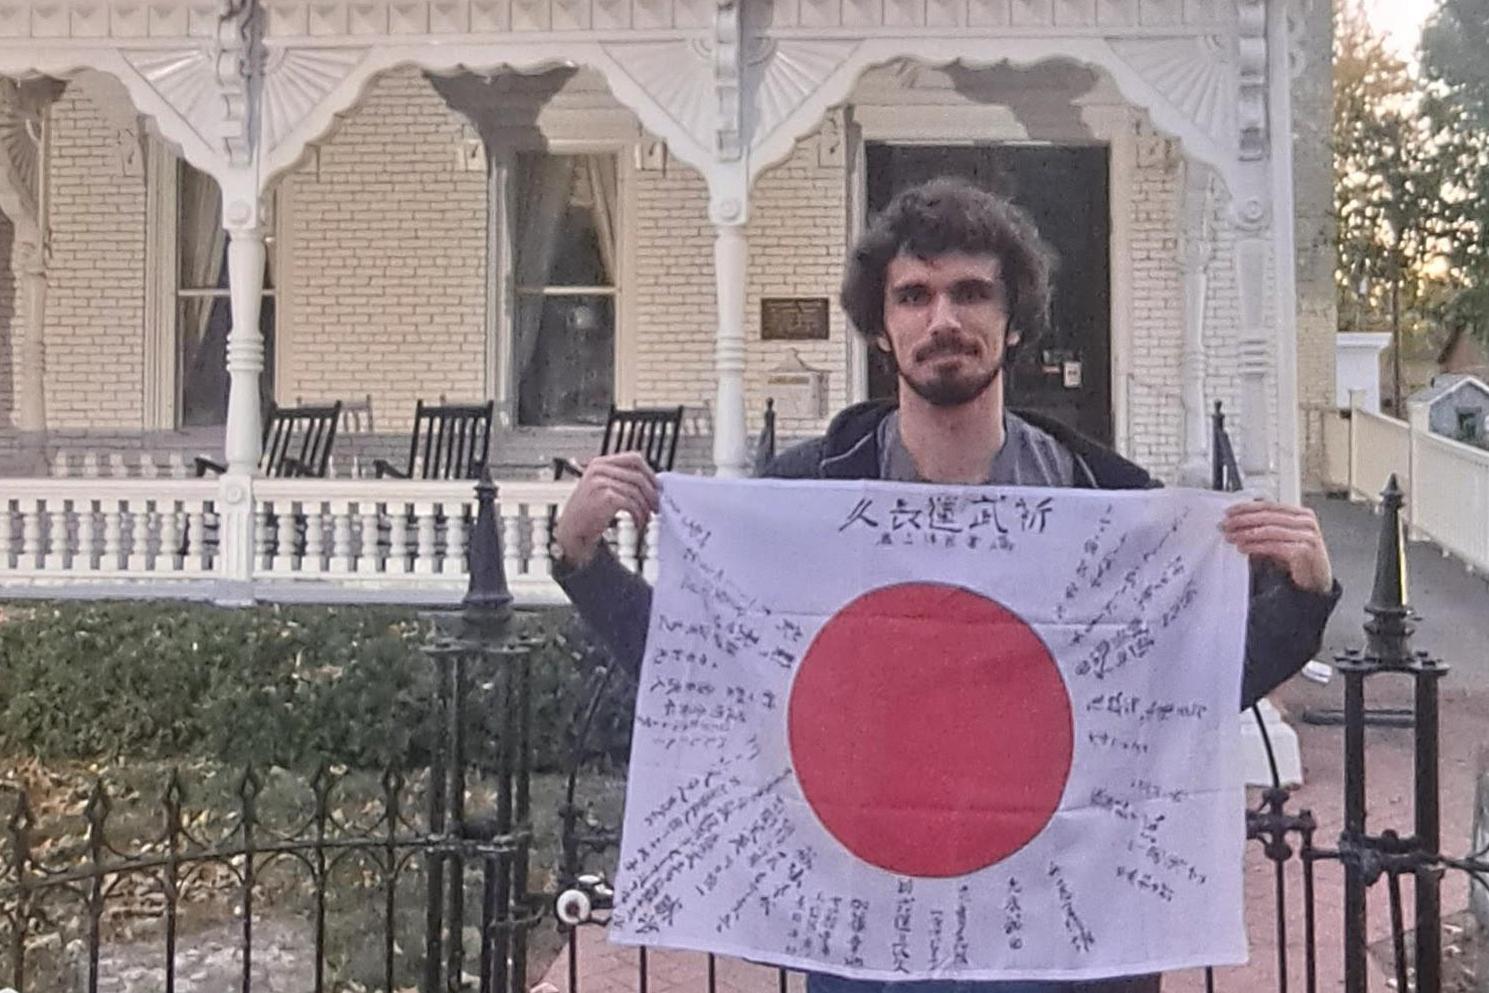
944,314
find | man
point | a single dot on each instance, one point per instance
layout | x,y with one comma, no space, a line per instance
950,281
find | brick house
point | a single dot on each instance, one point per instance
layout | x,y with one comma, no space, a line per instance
563,204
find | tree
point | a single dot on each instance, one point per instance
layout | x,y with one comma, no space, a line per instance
1455,62
1398,173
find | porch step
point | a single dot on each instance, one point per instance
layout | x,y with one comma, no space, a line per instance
1284,739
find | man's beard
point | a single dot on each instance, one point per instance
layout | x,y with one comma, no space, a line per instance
950,387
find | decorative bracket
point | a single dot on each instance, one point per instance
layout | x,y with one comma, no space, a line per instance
1251,78
727,37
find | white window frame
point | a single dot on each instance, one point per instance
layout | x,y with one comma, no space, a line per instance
503,292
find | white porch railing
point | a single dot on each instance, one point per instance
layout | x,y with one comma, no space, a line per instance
331,540
1446,482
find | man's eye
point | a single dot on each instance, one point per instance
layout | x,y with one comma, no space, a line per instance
971,293
913,295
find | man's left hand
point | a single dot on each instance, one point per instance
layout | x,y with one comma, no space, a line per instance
1286,535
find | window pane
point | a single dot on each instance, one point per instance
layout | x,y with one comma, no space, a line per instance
566,220
202,325
568,374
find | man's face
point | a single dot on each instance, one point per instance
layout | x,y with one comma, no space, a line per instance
946,324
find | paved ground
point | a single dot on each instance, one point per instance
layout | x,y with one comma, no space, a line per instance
1454,624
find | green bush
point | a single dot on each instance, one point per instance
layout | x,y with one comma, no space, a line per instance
271,685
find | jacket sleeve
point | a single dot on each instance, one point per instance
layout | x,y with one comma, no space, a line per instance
615,602
1284,629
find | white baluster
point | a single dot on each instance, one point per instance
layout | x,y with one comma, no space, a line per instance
454,561
398,538
627,542
284,551
113,530
56,536
90,465
424,563
148,468
139,536
367,556
117,468
539,564
60,464
511,521
7,534
31,548
263,536
313,560
649,561
170,537
341,536
196,537
83,557
176,463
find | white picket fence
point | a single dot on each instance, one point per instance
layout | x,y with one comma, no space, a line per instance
1446,482
289,539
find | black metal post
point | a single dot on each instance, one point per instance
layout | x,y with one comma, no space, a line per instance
1428,827
1217,459
1387,633
1355,980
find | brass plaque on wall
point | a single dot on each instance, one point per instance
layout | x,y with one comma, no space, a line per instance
793,318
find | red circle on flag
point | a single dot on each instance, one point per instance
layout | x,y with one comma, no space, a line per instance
930,730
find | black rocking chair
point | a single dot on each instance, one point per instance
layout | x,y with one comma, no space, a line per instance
296,443
652,431
449,442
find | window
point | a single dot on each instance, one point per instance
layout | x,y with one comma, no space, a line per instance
1468,425
565,264
190,315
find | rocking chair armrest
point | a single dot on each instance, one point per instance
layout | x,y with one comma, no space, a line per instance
566,467
382,468
205,465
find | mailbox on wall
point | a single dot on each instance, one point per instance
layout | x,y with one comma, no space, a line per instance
800,391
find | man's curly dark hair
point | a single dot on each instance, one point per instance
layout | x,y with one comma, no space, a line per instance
945,215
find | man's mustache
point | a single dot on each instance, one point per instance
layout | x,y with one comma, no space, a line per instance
945,346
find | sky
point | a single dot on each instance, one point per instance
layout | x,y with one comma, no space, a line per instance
1401,21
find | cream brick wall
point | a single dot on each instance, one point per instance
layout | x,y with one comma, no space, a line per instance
385,241
95,308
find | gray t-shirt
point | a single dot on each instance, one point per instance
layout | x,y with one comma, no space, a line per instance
1029,456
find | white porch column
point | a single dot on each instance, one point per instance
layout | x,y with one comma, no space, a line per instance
245,347
1196,250
31,267
245,361
1284,252
730,258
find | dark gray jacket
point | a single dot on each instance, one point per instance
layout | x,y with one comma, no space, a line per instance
1284,628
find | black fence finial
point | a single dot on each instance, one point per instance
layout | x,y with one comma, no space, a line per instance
1387,631
488,580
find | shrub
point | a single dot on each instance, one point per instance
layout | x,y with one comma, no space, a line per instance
270,685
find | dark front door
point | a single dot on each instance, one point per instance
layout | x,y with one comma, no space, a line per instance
1064,189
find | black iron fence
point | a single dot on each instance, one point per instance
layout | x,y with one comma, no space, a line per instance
462,875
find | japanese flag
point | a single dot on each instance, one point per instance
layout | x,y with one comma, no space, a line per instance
903,731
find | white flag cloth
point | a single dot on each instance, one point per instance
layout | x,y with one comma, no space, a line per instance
902,731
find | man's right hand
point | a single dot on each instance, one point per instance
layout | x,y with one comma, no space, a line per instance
610,484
